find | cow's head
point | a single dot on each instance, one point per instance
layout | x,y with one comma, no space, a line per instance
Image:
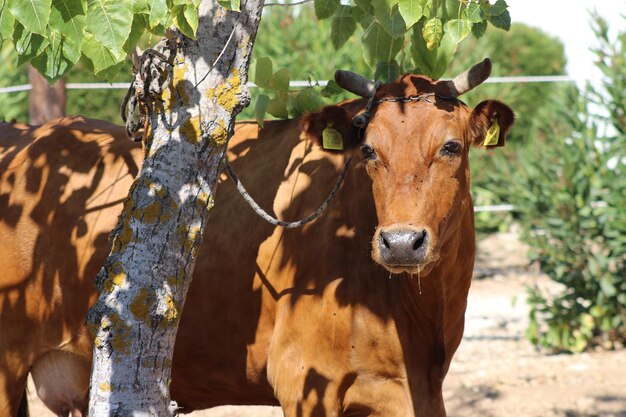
414,143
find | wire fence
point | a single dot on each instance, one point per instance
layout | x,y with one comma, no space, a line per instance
298,83
322,83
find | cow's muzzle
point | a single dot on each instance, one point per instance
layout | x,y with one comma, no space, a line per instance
402,246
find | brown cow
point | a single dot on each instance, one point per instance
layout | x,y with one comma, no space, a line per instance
305,317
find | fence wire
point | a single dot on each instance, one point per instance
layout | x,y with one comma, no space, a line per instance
297,83
323,83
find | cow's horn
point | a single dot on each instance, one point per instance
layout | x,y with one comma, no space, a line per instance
471,78
355,83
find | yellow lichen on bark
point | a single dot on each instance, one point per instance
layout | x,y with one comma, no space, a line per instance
190,130
226,93
120,340
98,342
151,213
220,134
125,236
244,42
177,85
189,236
205,201
115,277
158,209
140,307
172,312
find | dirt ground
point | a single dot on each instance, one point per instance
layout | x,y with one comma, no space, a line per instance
496,372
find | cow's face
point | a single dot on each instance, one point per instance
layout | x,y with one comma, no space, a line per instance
416,154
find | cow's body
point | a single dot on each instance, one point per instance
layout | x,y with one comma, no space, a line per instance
61,188
303,318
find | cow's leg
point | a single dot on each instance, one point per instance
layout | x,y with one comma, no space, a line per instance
62,381
12,389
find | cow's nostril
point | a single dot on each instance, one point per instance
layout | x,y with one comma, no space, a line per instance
402,246
419,241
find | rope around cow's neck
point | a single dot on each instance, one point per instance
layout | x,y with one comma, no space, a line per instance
342,176
289,225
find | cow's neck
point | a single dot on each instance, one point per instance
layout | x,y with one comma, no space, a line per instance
434,308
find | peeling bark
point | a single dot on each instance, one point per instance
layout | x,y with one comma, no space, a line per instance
146,276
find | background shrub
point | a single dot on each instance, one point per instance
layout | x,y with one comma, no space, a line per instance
571,193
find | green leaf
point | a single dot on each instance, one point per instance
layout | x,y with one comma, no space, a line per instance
157,12
458,29
342,26
432,62
474,13
277,107
180,20
411,11
137,29
478,29
234,5
58,57
7,22
445,54
159,30
432,32
307,100
32,14
325,8
366,20
280,81
378,45
109,21
390,18
501,21
498,8
365,5
141,6
260,108
111,72
331,89
263,74
67,17
357,13
27,44
191,15
100,55
387,71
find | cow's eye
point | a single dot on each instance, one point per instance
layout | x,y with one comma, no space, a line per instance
451,148
368,152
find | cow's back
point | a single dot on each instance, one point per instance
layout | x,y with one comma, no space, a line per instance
61,188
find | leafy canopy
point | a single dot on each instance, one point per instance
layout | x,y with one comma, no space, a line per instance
52,35
396,36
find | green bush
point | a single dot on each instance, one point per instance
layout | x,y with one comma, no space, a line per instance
522,51
13,106
571,193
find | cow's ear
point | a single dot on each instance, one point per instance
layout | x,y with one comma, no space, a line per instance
332,129
489,123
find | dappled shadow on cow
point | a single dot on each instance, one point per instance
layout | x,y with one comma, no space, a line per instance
415,153
51,179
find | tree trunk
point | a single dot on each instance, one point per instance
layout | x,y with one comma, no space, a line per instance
146,276
45,101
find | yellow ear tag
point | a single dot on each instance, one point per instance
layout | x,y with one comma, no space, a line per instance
332,139
493,134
